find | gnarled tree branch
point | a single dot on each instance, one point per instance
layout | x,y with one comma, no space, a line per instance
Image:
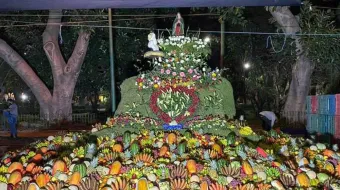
77,58
20,66
51,46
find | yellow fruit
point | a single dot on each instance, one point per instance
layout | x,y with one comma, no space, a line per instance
115,168
117,148
217,148
59,165
14,178
303,180
42,180
172,138
75,179
247,168
142,184
204,185
191,166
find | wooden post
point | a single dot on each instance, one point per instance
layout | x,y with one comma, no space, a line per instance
112,69
222,44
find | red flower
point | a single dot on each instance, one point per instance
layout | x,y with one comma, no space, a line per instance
165,117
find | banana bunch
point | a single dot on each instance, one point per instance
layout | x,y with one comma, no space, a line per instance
80,152
23,159
42,144
3,169
102,139
30,155
134,172
273,173
105,150
246,131
3,179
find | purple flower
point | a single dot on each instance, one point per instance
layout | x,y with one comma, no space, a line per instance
124,169
155,153
162,71
120,138
168,71
199,167
234,183
174,73
182,74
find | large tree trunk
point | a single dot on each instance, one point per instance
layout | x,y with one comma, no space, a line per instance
302,70
58,105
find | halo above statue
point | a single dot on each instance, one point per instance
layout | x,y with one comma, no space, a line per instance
177,30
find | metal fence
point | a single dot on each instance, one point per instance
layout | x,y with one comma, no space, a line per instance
34,120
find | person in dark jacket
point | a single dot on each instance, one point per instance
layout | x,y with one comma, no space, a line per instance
268,120
12,117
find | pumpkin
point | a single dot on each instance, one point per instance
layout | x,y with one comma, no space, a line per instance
171,139
37,158
115,168
75,179
43,149
191,166
217,148
247,168
117,148
15,166
42,180
142,184
15,177
328,153
30,167
164,149
59,165
204,185
329,167
302,180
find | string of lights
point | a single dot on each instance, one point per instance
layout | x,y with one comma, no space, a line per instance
79,22
191,31
104,15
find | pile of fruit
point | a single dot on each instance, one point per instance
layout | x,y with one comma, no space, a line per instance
156,159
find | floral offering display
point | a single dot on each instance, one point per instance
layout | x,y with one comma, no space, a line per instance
138,149
183,65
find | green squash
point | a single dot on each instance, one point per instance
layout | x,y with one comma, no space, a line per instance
127,137
231,138
134,148
273,133
81,168
240,147
181,148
